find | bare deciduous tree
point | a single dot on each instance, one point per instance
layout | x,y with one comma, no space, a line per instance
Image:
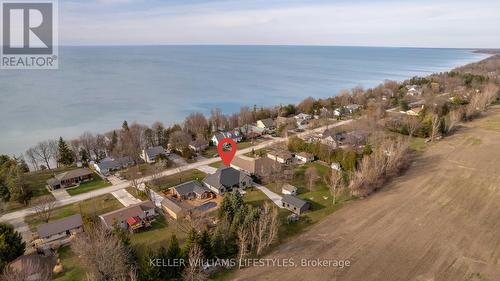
194,270
412,124
196,123
243,243
45,151
103,254
435,127
335,182
33,269
43,207
312,176
179,140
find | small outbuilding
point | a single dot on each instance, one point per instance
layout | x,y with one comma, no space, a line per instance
289,189
294,204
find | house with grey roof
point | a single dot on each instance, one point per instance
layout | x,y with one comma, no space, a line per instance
108,165
70,178
294,204
198,145
281,156
191,190
234,134
59,230
268,124
151,154
226,179
140,213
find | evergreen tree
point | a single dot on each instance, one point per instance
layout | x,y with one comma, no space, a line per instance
125,126
114,141
65,155
84,156
217,243
174,253
149,272
11,245
17,186
191,240
205,244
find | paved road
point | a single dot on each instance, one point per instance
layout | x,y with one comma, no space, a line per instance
20,214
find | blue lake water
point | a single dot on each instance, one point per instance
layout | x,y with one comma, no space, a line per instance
96,88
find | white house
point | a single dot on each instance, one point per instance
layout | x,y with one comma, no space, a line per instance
281,156
235,135
336,166
289,189
304,157
352,108
267,124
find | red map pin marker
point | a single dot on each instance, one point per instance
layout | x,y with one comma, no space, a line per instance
226,155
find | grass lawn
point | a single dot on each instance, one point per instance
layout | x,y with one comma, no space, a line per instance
137,193
72,270
158,235
255,197
173,180
244,144
261,152
95,206
96,183
320,199
210,152
217,164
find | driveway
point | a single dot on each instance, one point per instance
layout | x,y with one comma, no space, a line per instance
273,196
125,198
207,169
60,194
80,197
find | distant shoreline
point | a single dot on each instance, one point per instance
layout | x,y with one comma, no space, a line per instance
72,129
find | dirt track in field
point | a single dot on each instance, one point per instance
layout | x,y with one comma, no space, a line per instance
439,221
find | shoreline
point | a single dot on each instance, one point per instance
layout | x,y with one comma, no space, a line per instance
178,120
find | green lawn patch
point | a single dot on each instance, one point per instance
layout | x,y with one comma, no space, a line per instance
217,164
173,180
210,152
137,193
71,266
255,197
96,183
259,152
158,235
90,207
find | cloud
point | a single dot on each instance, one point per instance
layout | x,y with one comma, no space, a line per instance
428,24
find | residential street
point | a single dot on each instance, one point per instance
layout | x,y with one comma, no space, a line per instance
201,165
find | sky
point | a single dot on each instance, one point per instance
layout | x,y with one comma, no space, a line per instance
446,23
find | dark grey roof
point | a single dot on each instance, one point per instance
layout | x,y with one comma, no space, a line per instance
154,151
191,186
58,226
225,176
294,201
268,122
114,164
